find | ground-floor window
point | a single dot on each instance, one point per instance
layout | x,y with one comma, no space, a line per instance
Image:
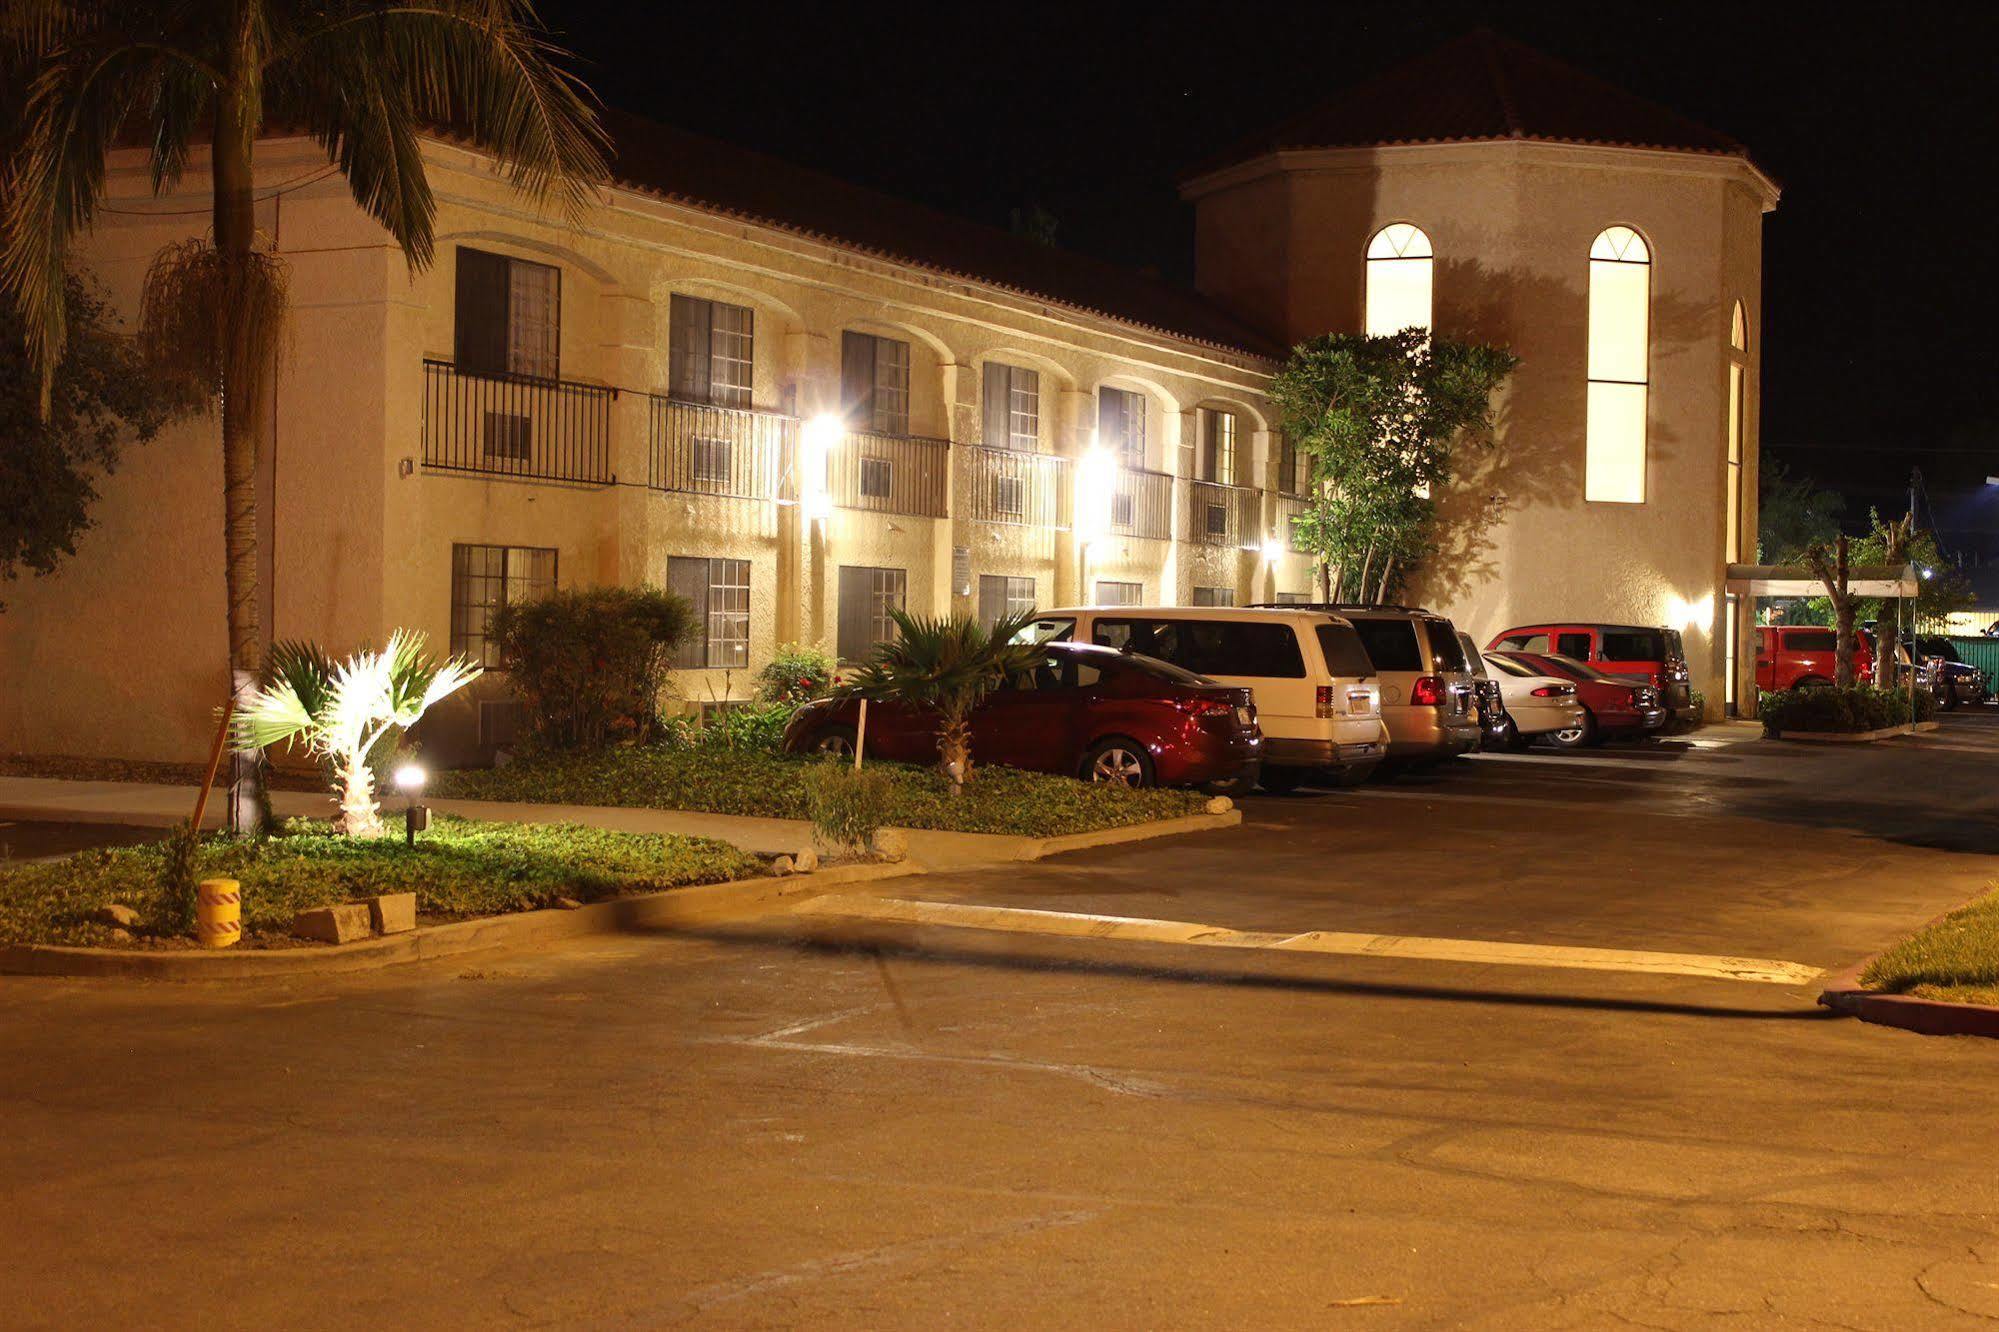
1119,594
1214,596
867,595
485,578
719,592
1001,595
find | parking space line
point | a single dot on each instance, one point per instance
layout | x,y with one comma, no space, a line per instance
1082,925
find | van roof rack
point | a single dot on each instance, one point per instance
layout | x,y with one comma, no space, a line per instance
1340,607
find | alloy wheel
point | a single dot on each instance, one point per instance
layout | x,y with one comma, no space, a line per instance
1119,765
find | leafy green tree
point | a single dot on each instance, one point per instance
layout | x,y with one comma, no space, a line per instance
101,398
362,77
946,666
1382,420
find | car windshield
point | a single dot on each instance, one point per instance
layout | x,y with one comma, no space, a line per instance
1052,629
1154,667
1508,666
1345,654
1578,670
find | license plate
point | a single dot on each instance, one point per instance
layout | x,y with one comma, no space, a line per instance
1242,715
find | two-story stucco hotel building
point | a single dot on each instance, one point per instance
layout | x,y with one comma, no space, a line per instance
647,396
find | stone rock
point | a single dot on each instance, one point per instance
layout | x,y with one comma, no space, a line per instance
891,843
1220,805
121,936
805,861
334,924
117,914
781,866
393,913
567,904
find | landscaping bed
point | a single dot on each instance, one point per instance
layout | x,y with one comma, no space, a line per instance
458,869
1955,959
764,785
1855,709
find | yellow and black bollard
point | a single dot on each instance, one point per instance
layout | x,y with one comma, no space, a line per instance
218,912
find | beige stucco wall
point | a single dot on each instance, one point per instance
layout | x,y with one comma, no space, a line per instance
1511,227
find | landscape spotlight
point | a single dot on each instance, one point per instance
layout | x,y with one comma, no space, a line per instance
409,779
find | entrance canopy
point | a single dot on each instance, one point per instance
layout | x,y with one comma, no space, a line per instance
1795,580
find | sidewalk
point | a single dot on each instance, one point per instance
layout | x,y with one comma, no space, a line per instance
150,805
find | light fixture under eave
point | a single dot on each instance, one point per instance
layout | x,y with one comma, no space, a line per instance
1684,614
1273,550
1096,482
816,439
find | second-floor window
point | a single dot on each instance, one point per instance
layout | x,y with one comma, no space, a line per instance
507,316
874,383
1121,425
710,352
1012,407
1218,447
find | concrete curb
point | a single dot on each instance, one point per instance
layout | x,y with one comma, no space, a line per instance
675,906
1038,847
1845,994
1850,737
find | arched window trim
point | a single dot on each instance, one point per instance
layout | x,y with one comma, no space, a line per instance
1738,329
1616,426
1402,248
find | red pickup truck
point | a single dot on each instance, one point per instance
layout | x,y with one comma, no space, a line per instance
1804,656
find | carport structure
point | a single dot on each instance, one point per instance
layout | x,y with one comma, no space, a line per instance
1749,583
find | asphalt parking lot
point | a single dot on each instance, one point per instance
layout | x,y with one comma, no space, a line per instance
836,1120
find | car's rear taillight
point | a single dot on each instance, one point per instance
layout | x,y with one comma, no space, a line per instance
1327,705
1204,707
1427,692
1554,691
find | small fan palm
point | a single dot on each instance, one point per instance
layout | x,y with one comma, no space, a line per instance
949,665
342,712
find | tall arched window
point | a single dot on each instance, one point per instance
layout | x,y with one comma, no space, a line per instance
1398,280
1620,299
1738,392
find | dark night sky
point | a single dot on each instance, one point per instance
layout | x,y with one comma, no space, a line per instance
1880,262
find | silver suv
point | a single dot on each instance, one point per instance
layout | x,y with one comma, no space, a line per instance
1426,681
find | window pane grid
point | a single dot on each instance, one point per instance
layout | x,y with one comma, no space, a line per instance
483,578
532,330
1619,373
1023,409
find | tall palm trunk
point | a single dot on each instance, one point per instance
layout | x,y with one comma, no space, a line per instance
235,235
954,749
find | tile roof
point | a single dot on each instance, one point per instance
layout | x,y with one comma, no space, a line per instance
738,182
1480,88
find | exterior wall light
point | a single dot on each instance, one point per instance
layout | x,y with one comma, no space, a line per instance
1684,614
1096,481
1273,550
409,779
815,450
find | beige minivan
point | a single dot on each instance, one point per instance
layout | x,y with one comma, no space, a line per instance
1316,698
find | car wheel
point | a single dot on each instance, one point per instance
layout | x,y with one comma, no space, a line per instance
1950,697
1281,781
1117,762
1239,785
1580,736
832,741
1812,682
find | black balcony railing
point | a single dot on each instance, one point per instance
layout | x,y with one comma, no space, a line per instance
1219,515
533,429
1142,504
889,474
731,452
1014,486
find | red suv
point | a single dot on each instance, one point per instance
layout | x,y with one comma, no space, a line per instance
1085,711
1656,655
1806,656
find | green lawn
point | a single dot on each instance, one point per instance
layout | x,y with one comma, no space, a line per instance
458,869
998,800
1957,958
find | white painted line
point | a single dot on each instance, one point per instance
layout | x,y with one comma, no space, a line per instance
1074,924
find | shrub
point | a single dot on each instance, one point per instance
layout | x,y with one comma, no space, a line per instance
589,663
180,853
1853,709
797,674
752,726
848,804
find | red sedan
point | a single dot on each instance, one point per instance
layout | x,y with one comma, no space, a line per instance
1613,706
1085,711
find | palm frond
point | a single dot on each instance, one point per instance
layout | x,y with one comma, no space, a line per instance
272,715
304,669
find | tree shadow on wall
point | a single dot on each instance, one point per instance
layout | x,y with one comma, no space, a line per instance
1536,458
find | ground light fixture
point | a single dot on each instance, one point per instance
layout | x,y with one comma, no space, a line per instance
409,779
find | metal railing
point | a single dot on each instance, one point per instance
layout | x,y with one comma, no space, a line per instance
1289,507
534,429
1014,486
889,474
730,452
1222,515
1142,504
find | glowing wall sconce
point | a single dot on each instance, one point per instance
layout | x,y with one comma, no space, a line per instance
815,450
1096,482
1273,550
1684,614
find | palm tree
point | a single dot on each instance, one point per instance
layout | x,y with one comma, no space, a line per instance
362,77
344,712
947,665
